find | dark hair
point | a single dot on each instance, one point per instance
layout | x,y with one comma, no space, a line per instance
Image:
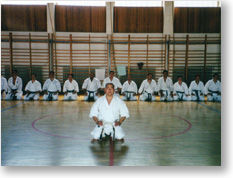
14,71
109,84
215,74
149,74
165,71
71,75
33,74
111,72
179,76
51,72
197,75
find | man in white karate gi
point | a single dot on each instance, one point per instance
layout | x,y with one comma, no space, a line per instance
15,85
4,87
70,89
213,89
129,90
33,89
148,89
109,112
51,88
181,92
116,82
165,87
91,87
196,89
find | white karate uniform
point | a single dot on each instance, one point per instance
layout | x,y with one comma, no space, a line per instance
33,87
3,87
132,87
17,86
52,86
147,88
199,88
181,88
108,114
116,82
93,85
167,87
70,87
210,85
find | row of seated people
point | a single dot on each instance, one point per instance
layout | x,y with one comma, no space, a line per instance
92,86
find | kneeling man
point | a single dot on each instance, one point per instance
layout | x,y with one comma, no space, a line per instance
129,90
109,112
70,89
181,92
33,89
213,89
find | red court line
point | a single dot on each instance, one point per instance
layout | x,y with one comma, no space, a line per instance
111,156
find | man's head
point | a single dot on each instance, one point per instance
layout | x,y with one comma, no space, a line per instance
70,77
165,73
197,78
129,78
111,74
179,78
51,75
91,75
215,77
149,76
109,89
33,76
15,73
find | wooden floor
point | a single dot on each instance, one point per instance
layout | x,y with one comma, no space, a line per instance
45,133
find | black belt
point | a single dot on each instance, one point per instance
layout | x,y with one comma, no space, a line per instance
197,94
128,94
166,93
13,94
213,91
31,92
181,92
149,98
70,91
91,95
50,93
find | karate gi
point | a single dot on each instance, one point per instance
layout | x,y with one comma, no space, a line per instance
32,88
108,114
181,91
4,86
129,90
91,87
166,87
213,88
147,90
51,87
116,82
14,87
197,90
70,88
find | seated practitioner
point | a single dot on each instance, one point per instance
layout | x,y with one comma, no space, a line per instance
15,86
181,92
129,90
213,89
109,112
51,88
4,87
91,87
196,89
147,89
165,87
116,82
33,89
70,89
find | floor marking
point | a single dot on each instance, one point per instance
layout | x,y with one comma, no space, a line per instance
209,107
14,106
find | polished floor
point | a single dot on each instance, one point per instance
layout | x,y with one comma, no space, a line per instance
46,133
